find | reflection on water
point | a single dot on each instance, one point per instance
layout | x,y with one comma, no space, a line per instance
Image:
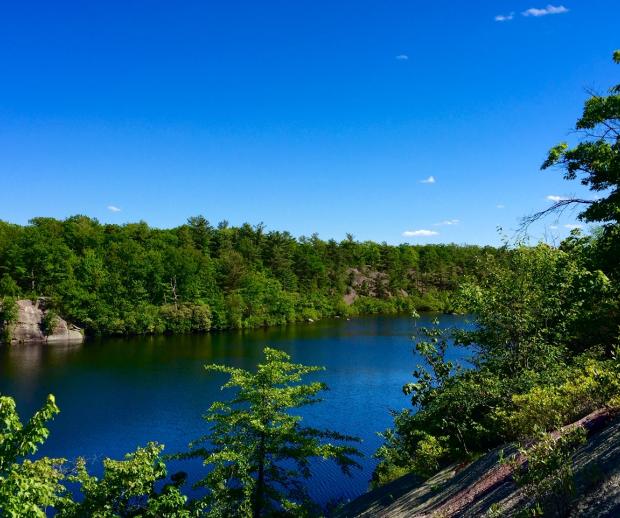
118,393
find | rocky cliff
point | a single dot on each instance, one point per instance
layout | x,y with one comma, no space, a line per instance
28,327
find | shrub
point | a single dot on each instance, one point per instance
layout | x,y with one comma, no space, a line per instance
201,317
185,318
8,315
429,455
580,390
545,471
50,322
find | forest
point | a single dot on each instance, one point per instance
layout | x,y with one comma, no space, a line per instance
134,279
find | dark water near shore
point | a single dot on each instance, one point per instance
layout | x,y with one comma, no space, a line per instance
116,394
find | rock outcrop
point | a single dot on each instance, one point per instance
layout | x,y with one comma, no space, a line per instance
486,487
369,283
28,326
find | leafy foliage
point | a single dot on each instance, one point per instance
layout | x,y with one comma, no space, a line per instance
532,324
49,322
595,161
134,279
8,315
571,394
126,489
545,471
530,310
18,440
258,451
27,487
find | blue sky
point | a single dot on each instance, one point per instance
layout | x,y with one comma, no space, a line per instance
309,116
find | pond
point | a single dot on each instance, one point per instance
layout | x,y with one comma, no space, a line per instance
118,393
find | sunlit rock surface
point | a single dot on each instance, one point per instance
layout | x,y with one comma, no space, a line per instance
28,327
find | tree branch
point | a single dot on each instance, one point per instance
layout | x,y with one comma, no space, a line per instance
558,207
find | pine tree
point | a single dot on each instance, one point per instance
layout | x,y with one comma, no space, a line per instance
260,453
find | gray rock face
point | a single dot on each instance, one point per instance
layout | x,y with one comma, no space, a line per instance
28,327
486,488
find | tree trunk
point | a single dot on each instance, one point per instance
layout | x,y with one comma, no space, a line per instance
260,481
173,287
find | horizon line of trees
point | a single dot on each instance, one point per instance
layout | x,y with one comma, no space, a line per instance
135,279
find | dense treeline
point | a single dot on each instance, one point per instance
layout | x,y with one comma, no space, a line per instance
112,279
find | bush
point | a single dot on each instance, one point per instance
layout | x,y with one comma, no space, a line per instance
201,317
185,318
545,472
429,454
530,316
49,322
8,287
8,316
578,391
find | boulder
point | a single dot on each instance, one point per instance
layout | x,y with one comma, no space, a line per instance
28,326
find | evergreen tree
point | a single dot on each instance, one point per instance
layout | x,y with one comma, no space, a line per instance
258,451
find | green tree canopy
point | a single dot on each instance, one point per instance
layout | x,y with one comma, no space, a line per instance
595,160
27,487
258,451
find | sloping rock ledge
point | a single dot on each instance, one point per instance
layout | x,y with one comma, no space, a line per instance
486,483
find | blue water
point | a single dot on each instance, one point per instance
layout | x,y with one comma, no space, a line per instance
116,394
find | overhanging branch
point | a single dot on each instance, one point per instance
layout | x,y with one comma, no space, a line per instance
558,207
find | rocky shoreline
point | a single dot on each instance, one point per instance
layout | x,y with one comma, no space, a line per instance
29,327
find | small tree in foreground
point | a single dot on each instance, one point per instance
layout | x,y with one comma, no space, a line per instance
259,453
27,487
127,488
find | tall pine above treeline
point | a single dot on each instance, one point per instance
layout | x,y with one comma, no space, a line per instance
133,279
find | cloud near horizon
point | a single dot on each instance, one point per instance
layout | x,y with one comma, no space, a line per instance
402,57
570,226
500,206
550,9
555,198
430,179
420,233
113,208
447,222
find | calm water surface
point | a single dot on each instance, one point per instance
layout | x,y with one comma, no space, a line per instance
117,394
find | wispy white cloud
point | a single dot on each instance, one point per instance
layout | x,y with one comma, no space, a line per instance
555,198
500,206
430,179
113,208
420,233
553,227
447,222
544,11
402,57
504,17
572,226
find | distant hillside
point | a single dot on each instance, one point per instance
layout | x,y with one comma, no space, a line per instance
111,279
